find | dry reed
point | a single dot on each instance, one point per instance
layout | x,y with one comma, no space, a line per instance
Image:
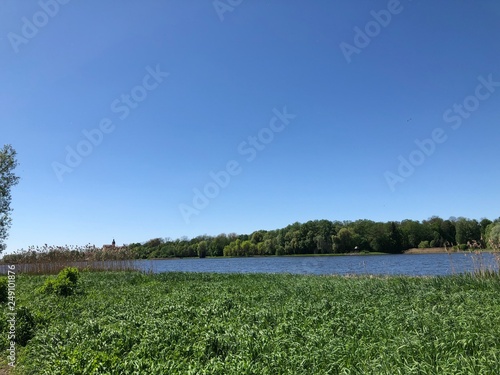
52,259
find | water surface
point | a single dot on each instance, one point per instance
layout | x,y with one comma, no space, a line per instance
402,264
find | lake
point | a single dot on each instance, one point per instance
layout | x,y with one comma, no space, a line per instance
402,264
398,264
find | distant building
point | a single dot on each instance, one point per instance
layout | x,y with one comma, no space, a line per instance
112,246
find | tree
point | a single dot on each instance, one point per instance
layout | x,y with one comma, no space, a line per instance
266,247
248,248
448,232
216,246
433,226
395,238
344,241
258,236
202,249
8,179
493,236
467,231
484,224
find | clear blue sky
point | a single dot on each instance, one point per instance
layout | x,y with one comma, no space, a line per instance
230,70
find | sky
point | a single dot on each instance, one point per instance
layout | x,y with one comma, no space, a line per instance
136,120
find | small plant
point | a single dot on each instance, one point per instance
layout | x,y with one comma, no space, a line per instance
64,284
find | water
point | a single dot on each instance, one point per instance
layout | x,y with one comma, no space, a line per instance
404,264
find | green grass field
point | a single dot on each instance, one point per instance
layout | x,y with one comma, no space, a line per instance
180,323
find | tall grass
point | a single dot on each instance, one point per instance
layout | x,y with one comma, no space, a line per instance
187,323
485,264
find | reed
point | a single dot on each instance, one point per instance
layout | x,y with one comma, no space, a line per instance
52,259
485,264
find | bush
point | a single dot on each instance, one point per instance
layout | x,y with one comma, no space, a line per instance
25,326
64,284
423,245
3,289
70,273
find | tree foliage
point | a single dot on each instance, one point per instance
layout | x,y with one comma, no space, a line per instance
8,179
467,231
320,237
492,234
326,237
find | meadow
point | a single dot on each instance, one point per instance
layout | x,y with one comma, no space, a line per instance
200,323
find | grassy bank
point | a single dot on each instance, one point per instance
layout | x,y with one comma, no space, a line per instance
176,323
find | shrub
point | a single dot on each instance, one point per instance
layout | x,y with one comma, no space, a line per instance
70,273
423,245
3,289
25,326
64,284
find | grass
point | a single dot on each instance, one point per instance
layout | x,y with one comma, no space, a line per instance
187,323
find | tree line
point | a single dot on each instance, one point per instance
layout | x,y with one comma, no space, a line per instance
333,237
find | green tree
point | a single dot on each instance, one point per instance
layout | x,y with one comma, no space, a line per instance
493,236
433,227
366,229
344,241
248,248
202,249
8,179
233,248
292,238
266,247
395,238
258,236
467,231
484,224
216,245
414,232
448,232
